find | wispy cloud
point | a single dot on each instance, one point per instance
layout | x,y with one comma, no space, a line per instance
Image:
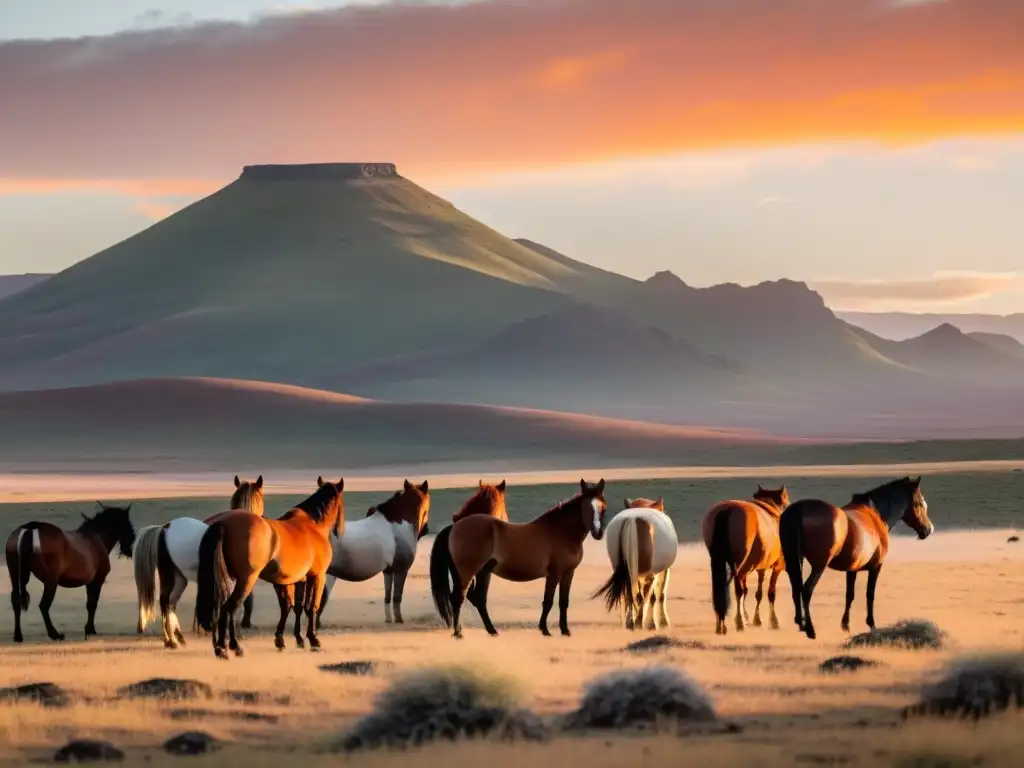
941,289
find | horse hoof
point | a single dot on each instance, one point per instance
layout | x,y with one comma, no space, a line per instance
811,634
246,624
775,624
239,652
170,644
299,643
566,633
57,638
279,643
221,653
399,620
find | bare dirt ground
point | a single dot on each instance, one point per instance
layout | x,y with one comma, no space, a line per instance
971,584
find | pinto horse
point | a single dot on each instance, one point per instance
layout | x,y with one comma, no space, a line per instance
642,546
742,537
166,558
385,541
549,547
70,559
851,538
240,548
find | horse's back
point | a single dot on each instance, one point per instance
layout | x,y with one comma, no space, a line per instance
365,549
745,510
866,542
824,528
660,533
182,537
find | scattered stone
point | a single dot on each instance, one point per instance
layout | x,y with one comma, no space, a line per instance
88,751
357,668
845,664
632,698
1013,540
191,743
975,687
661,643
231,714
166,688
914,634
447,703
45,694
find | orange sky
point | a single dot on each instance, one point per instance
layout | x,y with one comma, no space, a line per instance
502,85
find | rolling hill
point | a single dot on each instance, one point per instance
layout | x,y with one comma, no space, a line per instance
899,326
12,284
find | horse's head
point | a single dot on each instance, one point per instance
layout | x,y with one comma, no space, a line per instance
916,513
115,527
411,506
593,506
333,503
248,495
488,500
777,497
641,503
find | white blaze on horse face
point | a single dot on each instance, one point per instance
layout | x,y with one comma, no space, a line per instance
596,506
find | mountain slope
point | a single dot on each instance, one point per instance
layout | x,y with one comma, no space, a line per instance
12,284
898,326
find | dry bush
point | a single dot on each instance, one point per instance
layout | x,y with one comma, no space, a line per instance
975,687
445,703
629,698
911,634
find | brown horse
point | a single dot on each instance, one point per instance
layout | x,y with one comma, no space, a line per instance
548,547
743,537
240,548
488,500
70,559
851,538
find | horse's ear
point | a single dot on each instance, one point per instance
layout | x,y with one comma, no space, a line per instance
259,483
341,484
319,481
425,488
628,503
479,483
501,485
238,483
660,504
101,505
759,488
128,508
917,482
408,485
85,517
599,488
583,485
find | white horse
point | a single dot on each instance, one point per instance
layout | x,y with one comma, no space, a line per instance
642,547
384,542
166,558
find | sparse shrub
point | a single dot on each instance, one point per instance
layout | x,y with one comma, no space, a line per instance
912,634
652,696
975,687
444,703
845,664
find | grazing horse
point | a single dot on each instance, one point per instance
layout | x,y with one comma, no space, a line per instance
549,547
70,559
742,537
166,559
851,538
385,541
642,546
240,548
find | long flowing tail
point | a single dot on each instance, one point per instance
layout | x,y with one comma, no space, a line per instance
791,534
145,560
721,563
19,566
213,584
622,584
441,566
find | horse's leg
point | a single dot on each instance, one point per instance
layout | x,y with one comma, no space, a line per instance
300,598
549,600
92,601
743,604
176,636
771,597
400,578
738,589
807,593
242,588
851,582
663,600
389,580
758,596
247,611
49,593
477,596
286,602
872,581
314,591
328,586
564,585
651,600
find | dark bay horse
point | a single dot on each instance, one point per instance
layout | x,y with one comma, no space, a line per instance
851,538
240,548
166,558
70,559
742,537
549,547
384,542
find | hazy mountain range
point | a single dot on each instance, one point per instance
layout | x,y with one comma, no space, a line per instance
351,278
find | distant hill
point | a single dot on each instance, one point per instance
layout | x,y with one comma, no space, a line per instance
1003,343
898,326
12,284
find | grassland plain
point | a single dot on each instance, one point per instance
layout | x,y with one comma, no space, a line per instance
970,583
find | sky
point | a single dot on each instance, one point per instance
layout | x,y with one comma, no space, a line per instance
872,148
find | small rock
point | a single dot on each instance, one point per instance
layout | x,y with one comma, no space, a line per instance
845,664
88,751
45,694
354,667
166,688
203,714
661,643
191,743
1013,540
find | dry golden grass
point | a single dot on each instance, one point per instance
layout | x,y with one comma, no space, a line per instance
969,584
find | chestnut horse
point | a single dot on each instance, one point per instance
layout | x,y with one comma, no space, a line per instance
488,500
385,541
642,546
166,558
69,559
851,538
240,548
742,537
549,547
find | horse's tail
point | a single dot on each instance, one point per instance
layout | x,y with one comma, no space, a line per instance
791,535
19,566
145,562
441,565
722,566
621,585
213,583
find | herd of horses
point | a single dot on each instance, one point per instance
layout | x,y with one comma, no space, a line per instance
306,550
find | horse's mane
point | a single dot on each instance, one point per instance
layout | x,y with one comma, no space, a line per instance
247,496
317,505
561,505
882,498
104,520
486,494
